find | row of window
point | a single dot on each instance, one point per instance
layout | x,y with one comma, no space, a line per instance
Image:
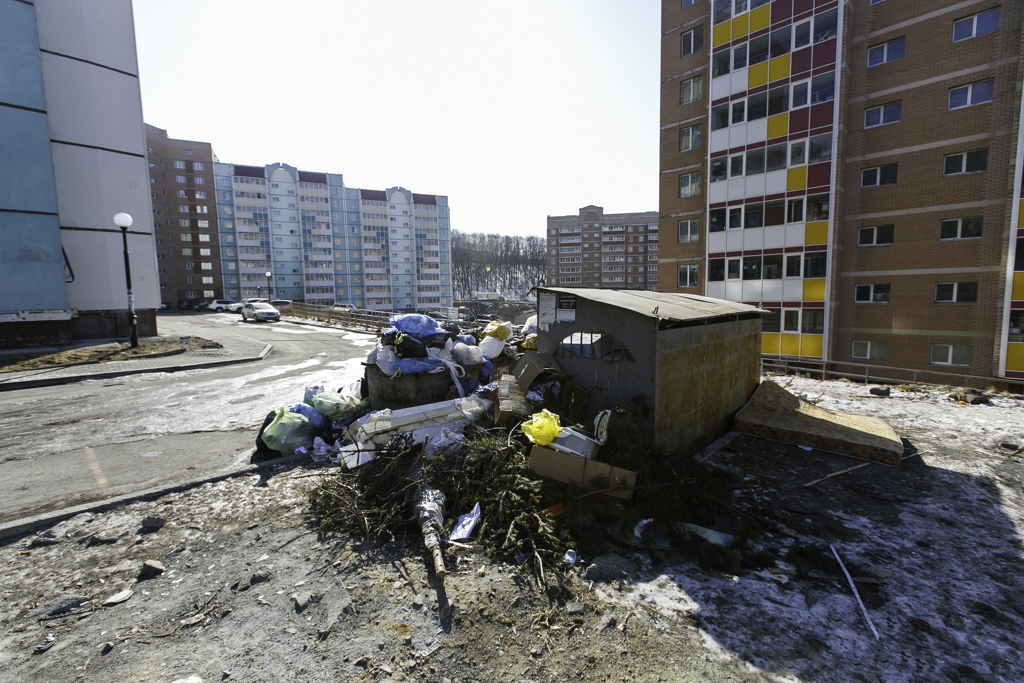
765,214
779,42
778,100
778,157
768,267
959,163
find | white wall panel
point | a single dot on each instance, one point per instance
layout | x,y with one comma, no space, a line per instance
738,135
718,192
734,290
755,185
716,242
775,182
753,238
771,290
716,290
757,131
739,81
775,237
793,290
734,240
795,235
752,290
719,140
720,87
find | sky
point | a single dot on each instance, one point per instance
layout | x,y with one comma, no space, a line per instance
515,111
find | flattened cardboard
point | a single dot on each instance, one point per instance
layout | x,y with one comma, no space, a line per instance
572,468
531,366
511,401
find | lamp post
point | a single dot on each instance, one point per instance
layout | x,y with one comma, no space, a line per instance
270,292
124,221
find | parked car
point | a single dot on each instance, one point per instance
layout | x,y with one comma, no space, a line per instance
220,305
237,306
280,302
200,304
260,311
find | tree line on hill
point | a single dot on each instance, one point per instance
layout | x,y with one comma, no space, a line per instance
508,264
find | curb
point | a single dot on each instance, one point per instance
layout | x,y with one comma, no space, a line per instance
18,526
54,381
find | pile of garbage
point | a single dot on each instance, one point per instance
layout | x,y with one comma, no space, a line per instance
500,452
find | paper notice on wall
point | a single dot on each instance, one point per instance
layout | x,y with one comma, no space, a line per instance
566,311
546,308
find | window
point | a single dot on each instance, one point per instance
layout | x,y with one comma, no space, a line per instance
779,42
687,276
757,106
689,138
823,88
886,52
872,237
759,50
733,269
689,184
772,267
691,90
716,220
739,109
755,161
960,228
753,216
880,175
872,294
978,25
200,194
692,41
965,162
722,10
186,251
197,166
689,230
184,222
775,157
883,115
736,217
179,164
818,208
687,3
956,293
775,212
813,321
814,264
204,238
797,153
795,210
720,63
801,35
826,26
716,270
791,321
778,100
972,94
952,354
719,170
203,223
870,350
720,117
179,179
793,262
739,57
751,267
186,237
736,166
800,92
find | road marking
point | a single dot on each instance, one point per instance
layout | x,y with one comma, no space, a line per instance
97,473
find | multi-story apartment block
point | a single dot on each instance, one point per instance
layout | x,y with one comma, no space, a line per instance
854,168
613,251
327,243
72,143
185,218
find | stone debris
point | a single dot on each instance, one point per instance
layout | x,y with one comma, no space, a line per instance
151,568
153,523
59,606
118,598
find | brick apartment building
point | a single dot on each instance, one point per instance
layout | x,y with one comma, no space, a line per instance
854,168
610,251
188,249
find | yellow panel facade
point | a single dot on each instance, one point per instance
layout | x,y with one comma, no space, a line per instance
760,18
811,345
796,178
814,290
740,26
720,34
778,68
1020,215
778,125
1014,357
791,345
770,342
757,74
1018,287
816,233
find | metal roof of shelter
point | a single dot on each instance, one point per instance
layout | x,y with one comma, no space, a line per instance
660,305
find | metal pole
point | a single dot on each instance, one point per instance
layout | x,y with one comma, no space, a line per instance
132,318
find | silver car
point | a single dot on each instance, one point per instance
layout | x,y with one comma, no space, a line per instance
260,311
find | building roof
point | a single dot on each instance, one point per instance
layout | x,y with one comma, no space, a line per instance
311,177
669,306
423,199
379,195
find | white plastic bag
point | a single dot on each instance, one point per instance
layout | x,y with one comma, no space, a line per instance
464,354
387,361
491,346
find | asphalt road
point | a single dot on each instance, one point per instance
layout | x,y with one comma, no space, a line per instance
71,444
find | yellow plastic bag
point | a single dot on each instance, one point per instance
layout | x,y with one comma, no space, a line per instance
542,428
498,330
530,342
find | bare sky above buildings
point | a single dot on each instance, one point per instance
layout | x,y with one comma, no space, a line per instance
515,111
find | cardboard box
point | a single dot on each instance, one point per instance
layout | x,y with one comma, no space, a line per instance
532,365
582,471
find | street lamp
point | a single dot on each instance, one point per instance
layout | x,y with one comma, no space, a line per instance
270,292
124,221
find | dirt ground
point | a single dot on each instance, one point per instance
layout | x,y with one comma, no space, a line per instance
937,541
105,353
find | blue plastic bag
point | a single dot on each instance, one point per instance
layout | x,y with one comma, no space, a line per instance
416,325
307,411
467,339
485,371
412,366
469,385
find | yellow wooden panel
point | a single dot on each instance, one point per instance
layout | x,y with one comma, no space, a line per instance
760,18
1020,215
757,74
1014,356
778,125
811,345
770,342
1018,287
778,68
720,34
796,178
740,26
816,233
814,290
791,345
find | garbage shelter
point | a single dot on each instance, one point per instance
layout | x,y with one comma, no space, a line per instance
695,361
